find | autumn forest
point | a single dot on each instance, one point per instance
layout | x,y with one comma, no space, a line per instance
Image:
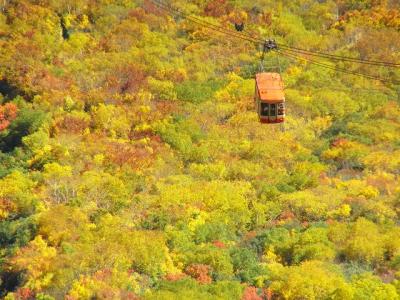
133,164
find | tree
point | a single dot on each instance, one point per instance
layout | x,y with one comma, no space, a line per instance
17,196
310,280
365,244
26,122
313,244
367,286
36,259
58,179
108,193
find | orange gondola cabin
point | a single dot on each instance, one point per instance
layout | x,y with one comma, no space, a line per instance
270,98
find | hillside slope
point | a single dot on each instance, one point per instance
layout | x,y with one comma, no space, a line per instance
133,165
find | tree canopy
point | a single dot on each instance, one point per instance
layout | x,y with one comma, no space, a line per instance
133,165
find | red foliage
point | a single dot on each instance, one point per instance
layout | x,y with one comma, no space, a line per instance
249,236
219,244
131,271
330,221
305,224
29,34
217,8
137,135
324,179
250,293
386,275
126,79
268,293
135,156
148,14
45,80
339,142
58,62
167,107
22,11
174,277
139,13
8,112
151,8
287,215
7,205
27,50
106,294
73,124
199,272
103,275
24,294
129,295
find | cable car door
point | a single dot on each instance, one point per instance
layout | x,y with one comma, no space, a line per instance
272,113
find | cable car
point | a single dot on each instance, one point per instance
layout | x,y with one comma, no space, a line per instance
270,98
239,26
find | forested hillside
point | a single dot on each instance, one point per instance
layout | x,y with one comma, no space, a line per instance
133,164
